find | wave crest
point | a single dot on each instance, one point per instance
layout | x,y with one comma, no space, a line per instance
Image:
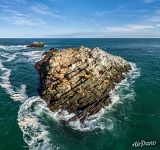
13,47
35,133
17,95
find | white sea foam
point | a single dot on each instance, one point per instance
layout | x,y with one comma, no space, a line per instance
1,65
11,57
17,95
8,56
35,133
20,46
2,47
33,56
12,47
20,95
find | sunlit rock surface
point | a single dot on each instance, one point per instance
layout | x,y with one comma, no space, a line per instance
79,79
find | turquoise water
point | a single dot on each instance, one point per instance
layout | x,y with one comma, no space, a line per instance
26,123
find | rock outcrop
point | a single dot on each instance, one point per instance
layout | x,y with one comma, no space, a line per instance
36,44
79,79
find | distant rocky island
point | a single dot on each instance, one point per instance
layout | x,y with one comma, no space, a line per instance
79,79
36,45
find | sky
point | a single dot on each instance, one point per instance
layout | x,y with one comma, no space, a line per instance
79,18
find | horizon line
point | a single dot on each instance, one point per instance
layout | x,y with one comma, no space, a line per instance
79,37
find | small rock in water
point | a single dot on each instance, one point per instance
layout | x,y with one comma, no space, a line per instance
79,79
36,44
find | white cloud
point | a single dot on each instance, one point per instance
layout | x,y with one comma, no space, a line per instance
13,16
33,14
129,28
21,19
149,1
42,9
21,1
100,14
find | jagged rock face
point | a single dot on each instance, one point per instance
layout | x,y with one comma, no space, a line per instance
36,45
79,79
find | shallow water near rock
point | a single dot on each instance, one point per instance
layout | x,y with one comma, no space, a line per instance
27,123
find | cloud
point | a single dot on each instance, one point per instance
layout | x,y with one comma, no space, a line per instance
132,30
42,9
129,28
21,19
33,14
149,1
21,1
16,17
25,20
121,12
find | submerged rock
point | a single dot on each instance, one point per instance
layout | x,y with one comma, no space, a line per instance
36,44
79,79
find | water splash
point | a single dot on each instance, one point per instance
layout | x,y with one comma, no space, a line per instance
12,47
33,56
35,133
16,95
8,56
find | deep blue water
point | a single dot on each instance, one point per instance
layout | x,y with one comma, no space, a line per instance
26,123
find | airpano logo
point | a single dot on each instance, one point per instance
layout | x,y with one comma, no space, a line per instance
143,143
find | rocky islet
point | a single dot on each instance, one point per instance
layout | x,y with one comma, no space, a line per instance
79,79
36,45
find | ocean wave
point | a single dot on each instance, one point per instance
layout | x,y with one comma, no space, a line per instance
33,56
13,47
35,133
16,95
2,47
8,56
1,65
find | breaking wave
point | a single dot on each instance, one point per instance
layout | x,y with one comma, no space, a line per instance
33,56
17,95
12,47
8,57
35,133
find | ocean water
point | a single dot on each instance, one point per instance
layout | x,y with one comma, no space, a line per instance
27,123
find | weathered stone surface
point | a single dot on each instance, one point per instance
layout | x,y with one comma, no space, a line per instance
36,44
79,79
